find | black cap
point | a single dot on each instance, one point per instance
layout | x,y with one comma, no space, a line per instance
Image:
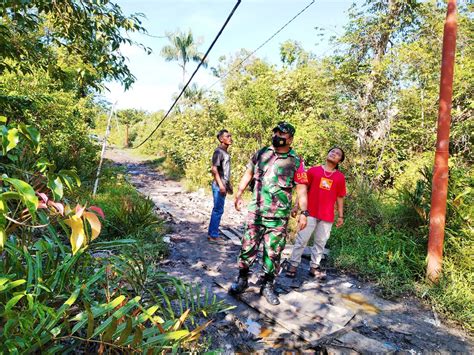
285,127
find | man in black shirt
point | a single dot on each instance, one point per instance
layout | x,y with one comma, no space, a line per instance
221,185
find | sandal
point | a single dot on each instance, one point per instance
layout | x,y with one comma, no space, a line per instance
291,272
214,240
317,273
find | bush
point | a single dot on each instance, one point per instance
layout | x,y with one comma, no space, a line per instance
61,118
87,296
129,214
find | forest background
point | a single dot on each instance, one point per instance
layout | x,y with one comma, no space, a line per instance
376,96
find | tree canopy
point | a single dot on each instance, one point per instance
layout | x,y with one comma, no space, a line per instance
86,35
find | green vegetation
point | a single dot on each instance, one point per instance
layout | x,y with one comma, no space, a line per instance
387,242
129,215
376,96
73,278
81,273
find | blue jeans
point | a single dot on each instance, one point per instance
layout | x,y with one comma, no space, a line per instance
217,211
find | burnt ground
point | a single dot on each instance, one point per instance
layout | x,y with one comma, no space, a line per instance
355,318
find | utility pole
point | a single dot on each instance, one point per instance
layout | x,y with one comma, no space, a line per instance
104,144
439,190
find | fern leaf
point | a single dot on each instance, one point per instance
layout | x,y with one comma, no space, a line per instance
107,337
181,320
138,337
126,332
97,311
116,315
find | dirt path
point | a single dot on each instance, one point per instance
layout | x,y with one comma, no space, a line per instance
340,314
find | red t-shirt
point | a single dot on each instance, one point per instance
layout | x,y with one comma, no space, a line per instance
323,190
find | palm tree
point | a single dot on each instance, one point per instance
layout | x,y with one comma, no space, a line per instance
183,49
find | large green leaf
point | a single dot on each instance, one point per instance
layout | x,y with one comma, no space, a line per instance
10,140
13,301
31,133
12,284
26,192
69,177
56,186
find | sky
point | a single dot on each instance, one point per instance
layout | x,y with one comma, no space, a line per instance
253,22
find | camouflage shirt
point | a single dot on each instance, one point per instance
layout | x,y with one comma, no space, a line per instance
275,174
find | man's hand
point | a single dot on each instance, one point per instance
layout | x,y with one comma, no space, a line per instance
294,212
340,222
238,203
302,221
222,190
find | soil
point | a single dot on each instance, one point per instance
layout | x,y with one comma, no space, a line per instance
377,325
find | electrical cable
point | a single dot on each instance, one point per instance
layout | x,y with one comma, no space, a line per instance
263,44
153,36
194,73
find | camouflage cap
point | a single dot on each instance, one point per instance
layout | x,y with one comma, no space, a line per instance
285,127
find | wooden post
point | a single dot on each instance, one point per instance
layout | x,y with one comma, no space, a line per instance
439,191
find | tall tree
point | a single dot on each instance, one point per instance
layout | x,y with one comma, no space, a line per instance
183,49
366,76
41,34
293,52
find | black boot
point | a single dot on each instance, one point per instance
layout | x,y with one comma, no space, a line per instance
241,284
268,291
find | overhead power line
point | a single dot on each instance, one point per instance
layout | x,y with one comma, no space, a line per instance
194,73
260,46
153,36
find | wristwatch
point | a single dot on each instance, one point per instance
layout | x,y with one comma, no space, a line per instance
305,213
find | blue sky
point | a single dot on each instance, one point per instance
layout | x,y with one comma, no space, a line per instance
253,22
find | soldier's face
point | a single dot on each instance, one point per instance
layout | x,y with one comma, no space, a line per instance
287,136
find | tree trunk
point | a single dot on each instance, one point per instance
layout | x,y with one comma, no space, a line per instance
380,48
126,136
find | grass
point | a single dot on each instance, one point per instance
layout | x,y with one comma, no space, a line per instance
128,213
391,258
378,244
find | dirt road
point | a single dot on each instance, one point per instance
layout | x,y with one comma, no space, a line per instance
340,314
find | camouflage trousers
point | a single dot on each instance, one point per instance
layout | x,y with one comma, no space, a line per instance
272,231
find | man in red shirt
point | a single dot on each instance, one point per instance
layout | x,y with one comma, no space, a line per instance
326,188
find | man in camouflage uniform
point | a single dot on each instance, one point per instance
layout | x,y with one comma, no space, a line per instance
275,170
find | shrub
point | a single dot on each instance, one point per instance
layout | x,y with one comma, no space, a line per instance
56,297
129,214
61,118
